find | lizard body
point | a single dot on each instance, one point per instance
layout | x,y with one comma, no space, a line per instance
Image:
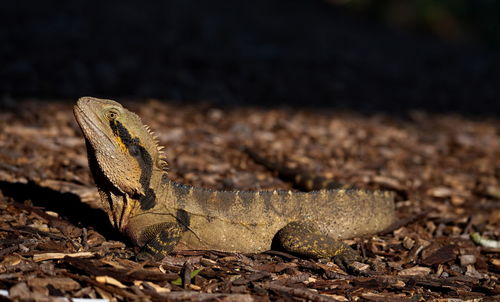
160,215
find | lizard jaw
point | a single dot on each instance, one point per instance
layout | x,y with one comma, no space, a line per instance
115,167
88,127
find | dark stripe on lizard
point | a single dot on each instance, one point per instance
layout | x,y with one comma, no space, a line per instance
183,219
134,147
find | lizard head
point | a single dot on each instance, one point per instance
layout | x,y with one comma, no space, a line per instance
125,150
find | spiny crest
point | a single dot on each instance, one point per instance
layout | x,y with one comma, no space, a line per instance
366,192
162,157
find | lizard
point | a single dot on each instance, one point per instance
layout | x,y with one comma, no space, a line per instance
129,168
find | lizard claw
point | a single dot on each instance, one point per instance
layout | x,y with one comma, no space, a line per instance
145,256
351,262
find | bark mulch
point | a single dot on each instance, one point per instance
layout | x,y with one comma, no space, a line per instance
445,169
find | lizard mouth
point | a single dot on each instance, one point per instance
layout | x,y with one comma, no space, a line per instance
90,129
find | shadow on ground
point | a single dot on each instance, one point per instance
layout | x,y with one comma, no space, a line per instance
67,205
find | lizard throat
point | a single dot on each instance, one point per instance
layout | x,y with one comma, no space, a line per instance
137,151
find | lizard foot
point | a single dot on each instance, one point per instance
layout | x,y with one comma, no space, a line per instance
304,239
146,256
351,262
159,240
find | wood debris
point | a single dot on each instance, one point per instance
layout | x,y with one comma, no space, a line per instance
56,241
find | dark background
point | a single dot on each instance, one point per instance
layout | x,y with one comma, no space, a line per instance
360,55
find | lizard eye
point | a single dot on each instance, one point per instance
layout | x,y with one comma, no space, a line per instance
112,114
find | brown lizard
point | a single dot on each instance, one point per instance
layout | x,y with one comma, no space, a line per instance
128,167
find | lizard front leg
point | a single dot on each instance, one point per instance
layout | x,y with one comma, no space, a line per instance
159,240
303,238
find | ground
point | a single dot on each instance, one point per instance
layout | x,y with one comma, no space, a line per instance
445,169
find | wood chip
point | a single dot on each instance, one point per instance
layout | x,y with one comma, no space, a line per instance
440,192
493,191
109,280
467,259
157,288
61,283
442,255
47,256
446,178
415,271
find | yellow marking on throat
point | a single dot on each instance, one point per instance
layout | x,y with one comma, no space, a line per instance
121,144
